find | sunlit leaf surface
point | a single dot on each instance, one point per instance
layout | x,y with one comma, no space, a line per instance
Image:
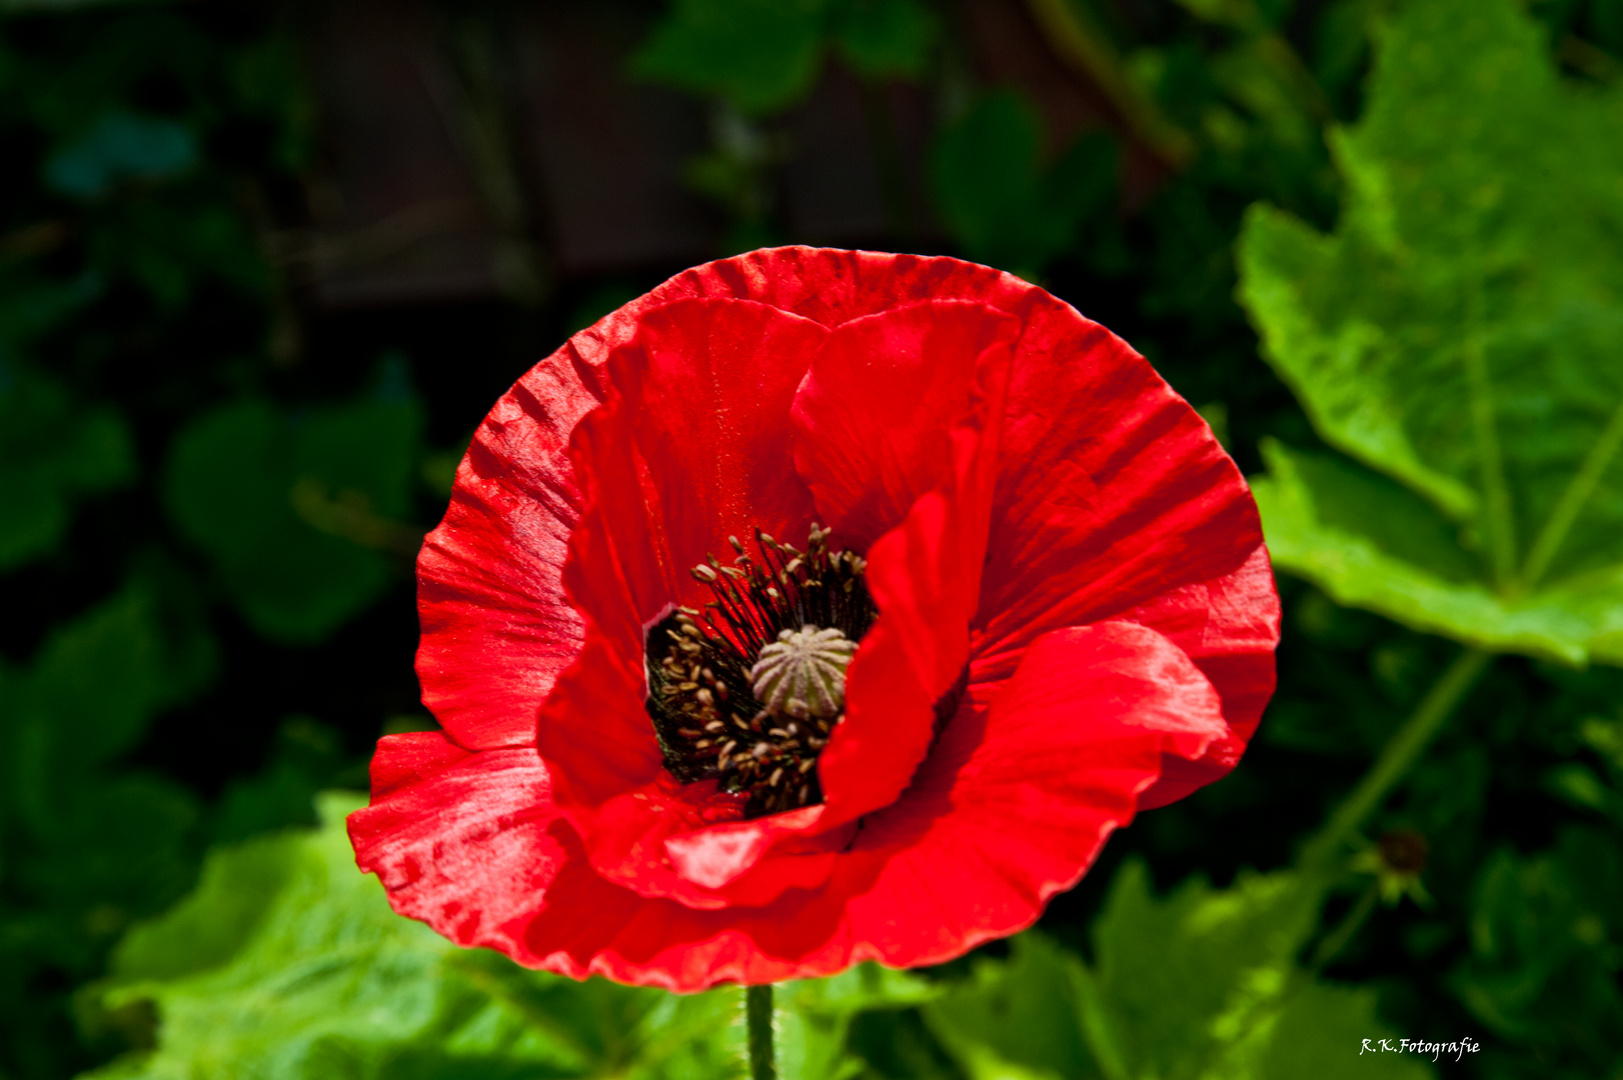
1459,333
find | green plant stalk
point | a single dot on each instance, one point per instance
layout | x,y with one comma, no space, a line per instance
1501,526
1338,938
1081,45
758,1020
1398,757
1579,489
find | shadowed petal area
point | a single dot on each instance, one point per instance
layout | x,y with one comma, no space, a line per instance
463,846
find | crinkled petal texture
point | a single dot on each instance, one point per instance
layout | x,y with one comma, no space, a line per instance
1076,621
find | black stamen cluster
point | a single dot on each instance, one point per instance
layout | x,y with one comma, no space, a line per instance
709,722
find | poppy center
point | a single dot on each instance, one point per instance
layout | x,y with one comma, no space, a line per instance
747,689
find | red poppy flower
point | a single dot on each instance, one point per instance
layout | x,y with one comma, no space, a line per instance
819,606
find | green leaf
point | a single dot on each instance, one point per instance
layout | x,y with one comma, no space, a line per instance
1003,206
52,450
294,509
87,848
1018,1016
761,55
815,1017
92,689
1459,333
884,38
1200,984
287,962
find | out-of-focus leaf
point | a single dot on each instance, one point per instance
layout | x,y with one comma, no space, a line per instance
88,848
1004,207
1458,333
120,146
287,962
52,449
92,688
1021,1016
306,759
168,245
1201,984
760,55
815,1015
1547,950
295,510
884,38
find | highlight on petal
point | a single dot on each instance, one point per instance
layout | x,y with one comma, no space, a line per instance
466,847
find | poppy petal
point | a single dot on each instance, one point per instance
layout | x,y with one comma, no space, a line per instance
465,847
1094,518
497,627
873,416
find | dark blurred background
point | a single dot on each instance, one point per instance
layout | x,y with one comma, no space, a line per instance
264,267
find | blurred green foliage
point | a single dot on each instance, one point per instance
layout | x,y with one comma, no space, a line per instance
296,511
762,55
1417,201
1006,206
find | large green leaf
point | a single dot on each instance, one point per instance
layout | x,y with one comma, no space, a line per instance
296,510
814,1018
1459,333
1369,542
1197,985
287,962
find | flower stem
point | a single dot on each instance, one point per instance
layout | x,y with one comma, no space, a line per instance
1397,758
1337,939
1571,504
758,1019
